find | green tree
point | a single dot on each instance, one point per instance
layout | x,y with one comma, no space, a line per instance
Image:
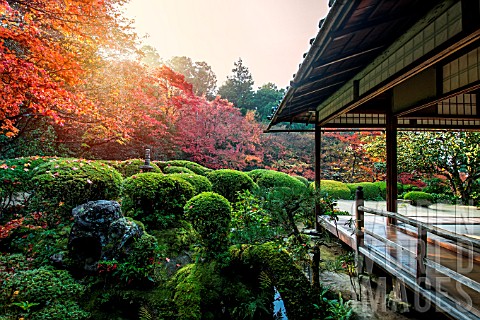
455,155
238,88
150,56
265,98
198,73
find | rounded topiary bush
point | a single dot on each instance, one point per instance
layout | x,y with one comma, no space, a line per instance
195,167
132,166
303,180
228,182
273,179
257,173
62,184
200,183
210,215
333,189
419,198
370,190
155,199
175,169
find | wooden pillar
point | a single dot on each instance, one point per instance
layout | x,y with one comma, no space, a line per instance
359,224
391,146
318,154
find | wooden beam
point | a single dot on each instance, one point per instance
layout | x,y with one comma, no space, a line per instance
322,64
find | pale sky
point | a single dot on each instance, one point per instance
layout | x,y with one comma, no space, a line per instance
269,35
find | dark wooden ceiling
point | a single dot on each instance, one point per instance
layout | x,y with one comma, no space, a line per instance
361,30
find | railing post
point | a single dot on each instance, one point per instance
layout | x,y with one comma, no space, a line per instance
421,256
359,224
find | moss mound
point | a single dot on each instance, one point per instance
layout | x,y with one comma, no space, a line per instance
62,184
289,280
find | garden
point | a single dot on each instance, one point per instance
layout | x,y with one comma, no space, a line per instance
98,239
83,239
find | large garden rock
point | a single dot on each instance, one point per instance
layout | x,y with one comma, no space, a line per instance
100,232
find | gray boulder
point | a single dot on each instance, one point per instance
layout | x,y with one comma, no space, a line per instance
100,232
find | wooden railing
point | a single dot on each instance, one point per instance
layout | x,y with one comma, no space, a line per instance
421,251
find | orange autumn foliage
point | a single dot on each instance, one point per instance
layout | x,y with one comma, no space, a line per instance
47,47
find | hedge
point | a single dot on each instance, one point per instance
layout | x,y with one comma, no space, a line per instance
257,173
333,189
288,279
370,190
16,180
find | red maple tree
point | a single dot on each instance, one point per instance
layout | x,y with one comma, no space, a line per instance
47,47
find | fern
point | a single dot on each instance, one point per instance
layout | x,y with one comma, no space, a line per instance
144,313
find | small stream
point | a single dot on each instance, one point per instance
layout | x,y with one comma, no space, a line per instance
278,307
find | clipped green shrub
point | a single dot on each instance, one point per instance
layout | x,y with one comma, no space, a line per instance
63,184
370,190
257,173
303,180
175,169
200,183
47,293
128,168
276,179
195,167
155,199
333,189
419,198
228,182
210,215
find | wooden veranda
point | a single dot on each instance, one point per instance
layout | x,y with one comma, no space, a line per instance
389,65
441,267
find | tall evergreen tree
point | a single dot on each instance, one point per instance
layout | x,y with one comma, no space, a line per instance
265,98
238,88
